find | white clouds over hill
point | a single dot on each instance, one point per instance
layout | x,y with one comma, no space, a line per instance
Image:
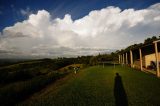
109,28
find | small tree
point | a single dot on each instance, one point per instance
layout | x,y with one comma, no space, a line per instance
93,60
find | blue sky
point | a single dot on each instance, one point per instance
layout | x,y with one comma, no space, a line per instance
55,28
10,9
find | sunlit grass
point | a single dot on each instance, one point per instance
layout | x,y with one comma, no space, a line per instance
95,86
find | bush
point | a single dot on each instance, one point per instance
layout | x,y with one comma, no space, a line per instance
13,93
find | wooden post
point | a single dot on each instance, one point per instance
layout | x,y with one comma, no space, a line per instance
123,60
140,55
131,58
157,62
119,59
126,58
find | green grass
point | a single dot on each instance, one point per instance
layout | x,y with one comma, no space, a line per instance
95,86
16,86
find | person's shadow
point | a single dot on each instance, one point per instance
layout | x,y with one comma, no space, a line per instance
119,92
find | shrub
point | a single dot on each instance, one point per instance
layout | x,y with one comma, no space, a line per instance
15,92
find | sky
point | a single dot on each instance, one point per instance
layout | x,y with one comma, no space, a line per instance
56,28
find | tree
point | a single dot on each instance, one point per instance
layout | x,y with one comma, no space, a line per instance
149,40
93,60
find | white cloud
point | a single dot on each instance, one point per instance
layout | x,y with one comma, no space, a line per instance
109,28
26,12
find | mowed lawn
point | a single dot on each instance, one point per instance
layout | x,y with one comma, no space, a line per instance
98,86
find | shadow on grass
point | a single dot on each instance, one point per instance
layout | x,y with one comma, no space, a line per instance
119,92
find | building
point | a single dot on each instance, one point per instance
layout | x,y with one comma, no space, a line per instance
146,57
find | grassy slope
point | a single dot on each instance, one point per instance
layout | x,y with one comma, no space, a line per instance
20,80
95,86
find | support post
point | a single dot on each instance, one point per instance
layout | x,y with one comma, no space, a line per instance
157,62
140,55
123,59
131,58
119,59
126,59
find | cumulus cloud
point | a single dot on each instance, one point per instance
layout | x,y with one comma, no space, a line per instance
108,28
26,12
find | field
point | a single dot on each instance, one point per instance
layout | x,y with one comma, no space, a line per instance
98,86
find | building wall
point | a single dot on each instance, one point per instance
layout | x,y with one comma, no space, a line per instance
136,64
149,58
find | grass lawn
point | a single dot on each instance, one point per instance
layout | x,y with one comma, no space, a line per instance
100,86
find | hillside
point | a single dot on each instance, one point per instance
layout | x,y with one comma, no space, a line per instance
21,80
